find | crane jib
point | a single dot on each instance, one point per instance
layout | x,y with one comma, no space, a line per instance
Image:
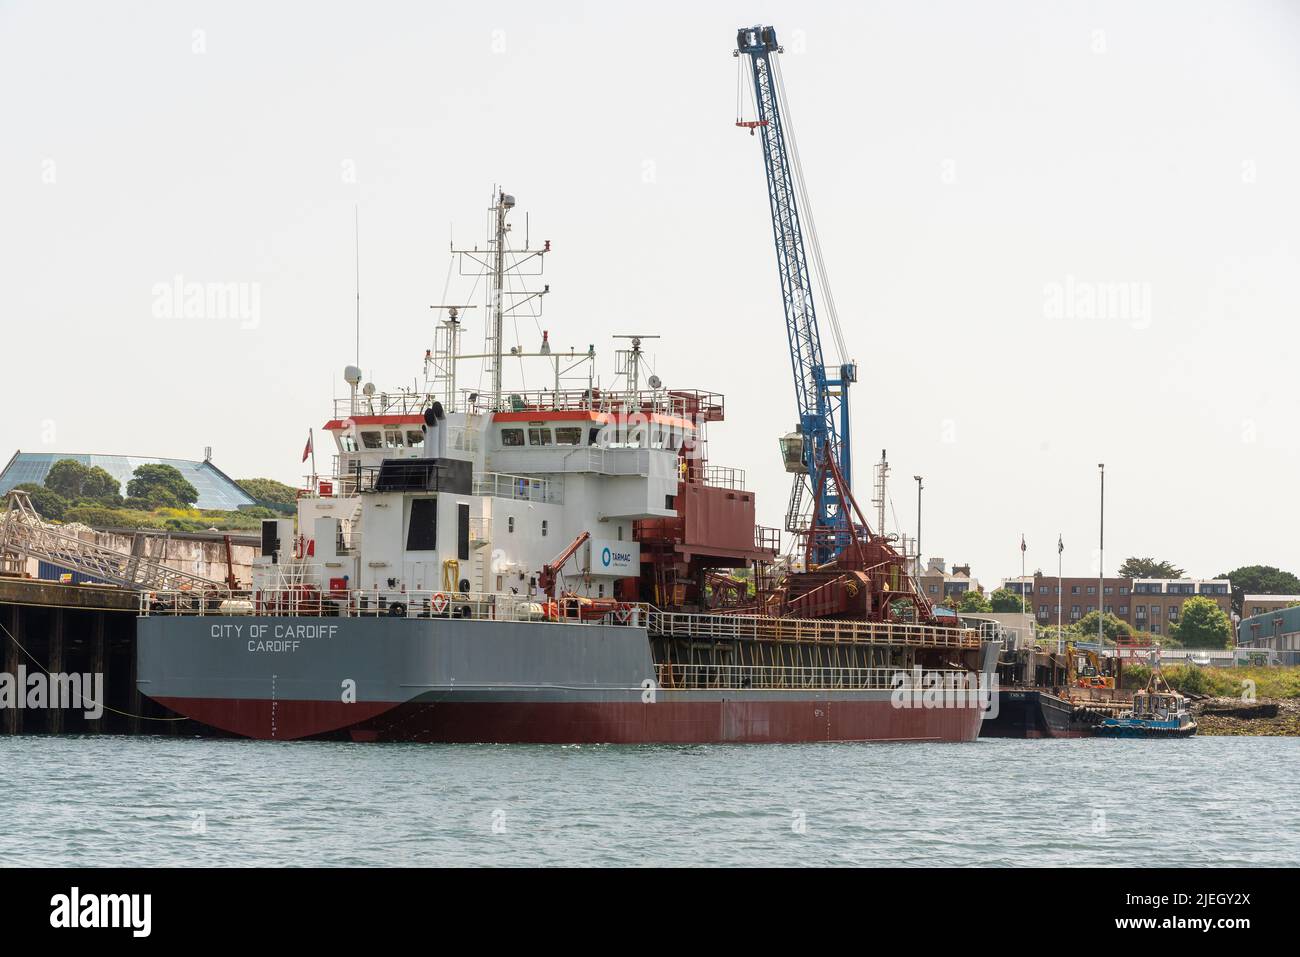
821,396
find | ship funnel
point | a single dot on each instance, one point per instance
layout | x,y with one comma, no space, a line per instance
437,419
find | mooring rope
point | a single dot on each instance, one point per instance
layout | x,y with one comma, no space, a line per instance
125,714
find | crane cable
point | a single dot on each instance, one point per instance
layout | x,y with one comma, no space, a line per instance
740,79
797,168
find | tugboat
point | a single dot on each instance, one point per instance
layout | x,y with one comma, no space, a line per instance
1158,712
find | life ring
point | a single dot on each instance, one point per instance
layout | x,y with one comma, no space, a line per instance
439,603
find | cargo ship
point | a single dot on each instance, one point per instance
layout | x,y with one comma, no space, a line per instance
553,561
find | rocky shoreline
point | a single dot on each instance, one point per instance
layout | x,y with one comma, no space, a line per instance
1266,717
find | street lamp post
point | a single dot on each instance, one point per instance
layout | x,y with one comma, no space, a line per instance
1060,599
1101,561
919,486
1023,603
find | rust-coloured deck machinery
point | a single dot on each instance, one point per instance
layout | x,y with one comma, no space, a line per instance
867,580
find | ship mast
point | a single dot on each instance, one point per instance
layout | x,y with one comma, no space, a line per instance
503,302
504,204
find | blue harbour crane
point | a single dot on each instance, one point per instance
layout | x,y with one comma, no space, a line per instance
818,451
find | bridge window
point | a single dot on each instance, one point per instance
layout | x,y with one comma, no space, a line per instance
372,440
347,442
569,435
512,437
392,439
414,438
539,436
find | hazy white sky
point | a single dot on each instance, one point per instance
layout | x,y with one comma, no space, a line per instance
978,171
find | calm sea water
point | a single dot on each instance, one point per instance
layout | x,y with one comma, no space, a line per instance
167,801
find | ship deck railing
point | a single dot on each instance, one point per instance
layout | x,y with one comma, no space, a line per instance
526,488
814,630
309,601
529,488
801,677
304,599
684,403
691,404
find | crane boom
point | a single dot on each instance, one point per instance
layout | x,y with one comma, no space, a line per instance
822,433
551,570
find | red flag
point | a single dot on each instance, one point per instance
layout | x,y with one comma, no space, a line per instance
306,453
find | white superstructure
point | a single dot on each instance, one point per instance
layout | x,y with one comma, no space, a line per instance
443,489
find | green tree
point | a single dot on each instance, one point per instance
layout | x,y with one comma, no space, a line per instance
269,491
1113,628
1050,634
67,477
77,482
162,486
1202,624
1004,599
49,503
1149,568
972,602
102,487
1260,580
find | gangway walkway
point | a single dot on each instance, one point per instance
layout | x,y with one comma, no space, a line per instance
24,535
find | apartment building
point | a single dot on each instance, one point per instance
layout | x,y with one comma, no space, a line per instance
938,584
1262,604
1145,604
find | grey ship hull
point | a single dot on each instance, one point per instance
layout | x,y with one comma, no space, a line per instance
468,680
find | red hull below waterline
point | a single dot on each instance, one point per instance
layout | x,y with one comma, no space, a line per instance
707,721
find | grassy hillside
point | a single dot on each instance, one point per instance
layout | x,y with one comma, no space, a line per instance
1222,682
169,519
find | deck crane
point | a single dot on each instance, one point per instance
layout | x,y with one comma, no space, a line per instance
821,436
550,572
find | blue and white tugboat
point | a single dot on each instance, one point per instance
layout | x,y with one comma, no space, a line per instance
1158,712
